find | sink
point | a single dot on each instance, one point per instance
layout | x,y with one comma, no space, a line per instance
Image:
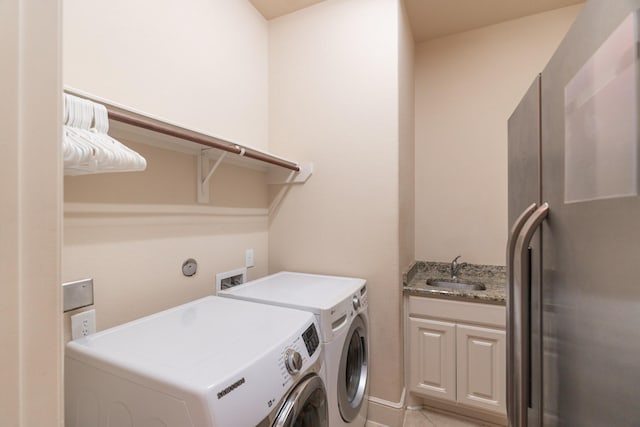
467,286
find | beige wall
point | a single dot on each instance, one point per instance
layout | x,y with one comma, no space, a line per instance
135,259
201,64
131,232
406,141
467,86
334,96
30,215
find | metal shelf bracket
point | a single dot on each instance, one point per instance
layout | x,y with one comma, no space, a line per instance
205,172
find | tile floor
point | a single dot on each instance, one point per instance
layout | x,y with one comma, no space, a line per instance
428,418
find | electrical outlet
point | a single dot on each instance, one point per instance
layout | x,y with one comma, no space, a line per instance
83,324
248,262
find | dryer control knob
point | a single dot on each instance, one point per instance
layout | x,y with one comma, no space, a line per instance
356,303
293,361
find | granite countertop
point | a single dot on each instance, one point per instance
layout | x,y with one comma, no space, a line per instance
492,276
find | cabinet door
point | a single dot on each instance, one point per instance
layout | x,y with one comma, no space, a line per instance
481,355
432,371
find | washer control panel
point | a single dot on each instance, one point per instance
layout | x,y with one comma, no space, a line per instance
363,299
295,356
311,340
356,302
359,301
292,361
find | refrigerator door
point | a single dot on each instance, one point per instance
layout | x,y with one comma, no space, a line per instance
591,239
524,196
524,153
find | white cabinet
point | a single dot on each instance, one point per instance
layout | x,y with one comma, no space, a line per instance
481,363
433,363
457,353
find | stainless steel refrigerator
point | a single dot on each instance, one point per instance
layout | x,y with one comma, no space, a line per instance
574,219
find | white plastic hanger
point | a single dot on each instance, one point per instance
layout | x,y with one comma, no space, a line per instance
87,148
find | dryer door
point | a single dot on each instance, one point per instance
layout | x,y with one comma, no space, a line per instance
352,378
306,405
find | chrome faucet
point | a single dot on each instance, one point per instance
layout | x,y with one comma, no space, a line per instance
455,267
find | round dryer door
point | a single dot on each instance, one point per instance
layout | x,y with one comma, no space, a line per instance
306,405
352,378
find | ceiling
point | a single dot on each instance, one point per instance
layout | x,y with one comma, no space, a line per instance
273,8
436,18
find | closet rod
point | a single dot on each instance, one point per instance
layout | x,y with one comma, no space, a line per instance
198,138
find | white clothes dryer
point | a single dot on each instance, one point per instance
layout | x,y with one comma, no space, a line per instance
214,362
340,305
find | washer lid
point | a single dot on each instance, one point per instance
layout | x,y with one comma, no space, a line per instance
310,292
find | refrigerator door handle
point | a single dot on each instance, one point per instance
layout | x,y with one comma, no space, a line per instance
511,247
520,319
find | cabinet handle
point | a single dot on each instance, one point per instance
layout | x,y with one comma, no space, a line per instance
511,246
520,319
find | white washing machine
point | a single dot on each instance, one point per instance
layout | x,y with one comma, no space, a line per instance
214,362
340,306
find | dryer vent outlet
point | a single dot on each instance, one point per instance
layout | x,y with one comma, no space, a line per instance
229,279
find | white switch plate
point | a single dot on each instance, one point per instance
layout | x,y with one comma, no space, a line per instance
83,324
77,294
249,258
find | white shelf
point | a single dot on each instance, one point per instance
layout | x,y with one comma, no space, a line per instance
129,124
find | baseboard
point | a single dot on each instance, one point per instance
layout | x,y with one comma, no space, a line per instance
463,412
383,413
